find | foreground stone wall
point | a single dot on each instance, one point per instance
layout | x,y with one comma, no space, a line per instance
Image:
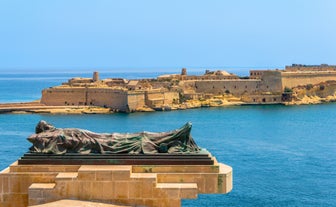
157,186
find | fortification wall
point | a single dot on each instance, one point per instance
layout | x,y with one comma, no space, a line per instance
262,98
158,98
303,78
63,96
236,87
135,100
269,82
322,67
107,97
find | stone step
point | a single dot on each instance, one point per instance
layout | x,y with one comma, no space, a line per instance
144,176
66,176
39,193
15,167
104,172
76,203
42,186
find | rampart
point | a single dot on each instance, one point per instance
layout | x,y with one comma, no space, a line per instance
293,79
270,82
301,67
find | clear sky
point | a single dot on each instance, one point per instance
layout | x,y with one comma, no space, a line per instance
107,34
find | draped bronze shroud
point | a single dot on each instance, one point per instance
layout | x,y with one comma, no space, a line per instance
51,140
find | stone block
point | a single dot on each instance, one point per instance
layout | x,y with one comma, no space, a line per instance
84,190
87,175
135,189
224,179
164,202
72,189
4,186
16,199
121,189
34,194
108,189
147,189
103,175
102,190
42,177
189,194
211,183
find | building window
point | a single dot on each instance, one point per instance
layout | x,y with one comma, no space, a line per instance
263,100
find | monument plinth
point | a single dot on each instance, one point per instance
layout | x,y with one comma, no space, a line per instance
162,170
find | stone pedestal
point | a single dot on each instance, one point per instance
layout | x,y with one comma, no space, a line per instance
24,185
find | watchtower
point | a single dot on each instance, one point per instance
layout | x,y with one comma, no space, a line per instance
95,77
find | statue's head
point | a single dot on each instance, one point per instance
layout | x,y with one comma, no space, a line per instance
43,126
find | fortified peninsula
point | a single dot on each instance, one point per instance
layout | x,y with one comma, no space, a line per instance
295,84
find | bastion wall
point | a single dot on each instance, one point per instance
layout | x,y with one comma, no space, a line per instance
299,67
269,82
291,79
105,97
135,100
156,99
63,96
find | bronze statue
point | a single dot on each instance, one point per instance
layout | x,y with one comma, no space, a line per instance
51,140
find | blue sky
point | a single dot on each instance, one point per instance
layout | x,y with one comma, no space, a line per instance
149,35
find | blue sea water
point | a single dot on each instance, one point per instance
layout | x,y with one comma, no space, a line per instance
281,155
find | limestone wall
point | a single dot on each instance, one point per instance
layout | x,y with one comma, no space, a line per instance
262,98
135,100
106,97
322,67
63,96
161,98
236,87
293,79
271,82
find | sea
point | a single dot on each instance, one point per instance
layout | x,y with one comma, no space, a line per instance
280,155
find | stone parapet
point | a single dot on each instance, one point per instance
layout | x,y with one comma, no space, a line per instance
24,185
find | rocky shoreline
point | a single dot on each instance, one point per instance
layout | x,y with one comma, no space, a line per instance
36,107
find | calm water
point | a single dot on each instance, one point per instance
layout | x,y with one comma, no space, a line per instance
281,156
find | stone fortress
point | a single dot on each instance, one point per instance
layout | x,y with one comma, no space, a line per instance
174,91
